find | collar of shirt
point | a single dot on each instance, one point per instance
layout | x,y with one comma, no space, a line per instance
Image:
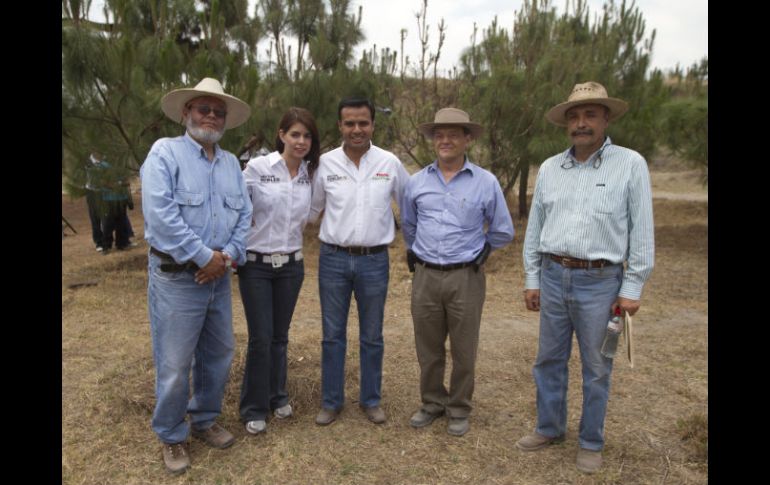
197,148
363,156
275,158
467,167
569,155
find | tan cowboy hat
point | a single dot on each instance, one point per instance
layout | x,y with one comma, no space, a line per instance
587,93
451,117
173,103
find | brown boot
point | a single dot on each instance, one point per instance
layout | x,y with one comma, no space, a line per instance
536,441
215,436
175,457
588,461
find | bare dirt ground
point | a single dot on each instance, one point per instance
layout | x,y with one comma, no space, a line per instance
656,425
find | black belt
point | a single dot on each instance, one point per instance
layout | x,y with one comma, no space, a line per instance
568,262
359,250
444,267
168,265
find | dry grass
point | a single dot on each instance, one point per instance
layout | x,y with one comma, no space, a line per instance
656,422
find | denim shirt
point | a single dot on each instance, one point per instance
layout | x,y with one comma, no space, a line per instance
191,205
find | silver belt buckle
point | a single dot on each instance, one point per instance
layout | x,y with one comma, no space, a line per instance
276,260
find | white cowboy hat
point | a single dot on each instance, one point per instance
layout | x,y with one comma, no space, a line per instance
173,103
587,93
451,117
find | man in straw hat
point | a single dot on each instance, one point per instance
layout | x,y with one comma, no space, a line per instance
591,212
196,215
444,209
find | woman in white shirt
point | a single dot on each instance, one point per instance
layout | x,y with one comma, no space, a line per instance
279,185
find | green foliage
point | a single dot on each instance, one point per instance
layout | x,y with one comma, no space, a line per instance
115,73
684,118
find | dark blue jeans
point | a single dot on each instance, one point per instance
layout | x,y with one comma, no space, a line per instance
269,296
339,276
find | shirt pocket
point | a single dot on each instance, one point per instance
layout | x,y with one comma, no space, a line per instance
379,194
468,212
233,206
608,200
191,207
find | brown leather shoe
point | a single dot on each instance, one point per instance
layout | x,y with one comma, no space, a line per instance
326,416
536,441
175,457
375,414
588,461
215,436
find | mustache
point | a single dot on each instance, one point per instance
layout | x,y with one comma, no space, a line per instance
582,132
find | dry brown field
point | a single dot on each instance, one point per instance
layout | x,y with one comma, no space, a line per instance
656,426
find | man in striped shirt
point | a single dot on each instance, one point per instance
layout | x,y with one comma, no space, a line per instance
591,212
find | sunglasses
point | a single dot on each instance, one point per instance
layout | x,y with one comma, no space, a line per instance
204,110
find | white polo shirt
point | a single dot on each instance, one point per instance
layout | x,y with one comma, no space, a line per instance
281,204
356,200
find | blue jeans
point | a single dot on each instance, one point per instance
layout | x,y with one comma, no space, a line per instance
579,300
269,296
191,328
339,275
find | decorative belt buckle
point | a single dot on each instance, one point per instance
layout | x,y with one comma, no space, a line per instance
565,261
276,260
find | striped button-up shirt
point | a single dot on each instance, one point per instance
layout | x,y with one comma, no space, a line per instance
356,200
191,205
597,209
280,204
443,223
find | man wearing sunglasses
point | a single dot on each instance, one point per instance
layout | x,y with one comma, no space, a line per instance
196,217
591,213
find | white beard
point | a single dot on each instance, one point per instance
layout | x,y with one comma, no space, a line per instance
205,135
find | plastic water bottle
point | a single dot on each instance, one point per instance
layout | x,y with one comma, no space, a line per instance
614,326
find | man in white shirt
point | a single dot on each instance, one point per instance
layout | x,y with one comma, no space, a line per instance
354,186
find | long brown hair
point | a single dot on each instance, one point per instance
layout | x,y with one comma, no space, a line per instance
301,115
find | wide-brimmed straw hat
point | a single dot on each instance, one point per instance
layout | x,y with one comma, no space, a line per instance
173,103
451,117
587,93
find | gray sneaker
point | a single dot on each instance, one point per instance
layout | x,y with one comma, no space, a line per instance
175,457
256,427
422,418
458,426
283,412
215,436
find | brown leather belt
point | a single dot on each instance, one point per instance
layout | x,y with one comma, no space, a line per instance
568,262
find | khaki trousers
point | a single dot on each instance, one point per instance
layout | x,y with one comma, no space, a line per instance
447,303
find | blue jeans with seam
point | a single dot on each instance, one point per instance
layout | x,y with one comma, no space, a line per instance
192,330
269,296
340,275
576,300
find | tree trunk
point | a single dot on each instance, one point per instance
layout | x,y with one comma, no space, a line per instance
523,190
